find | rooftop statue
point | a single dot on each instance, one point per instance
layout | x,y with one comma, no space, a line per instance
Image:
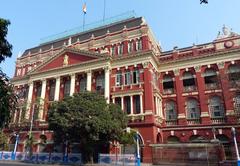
226,32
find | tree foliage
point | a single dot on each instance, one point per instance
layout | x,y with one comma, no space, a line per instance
8,99
5,46
88,119
3,141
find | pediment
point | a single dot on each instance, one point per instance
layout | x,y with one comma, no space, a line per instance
67,57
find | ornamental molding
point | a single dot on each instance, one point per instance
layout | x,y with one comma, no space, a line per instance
220,65
197,68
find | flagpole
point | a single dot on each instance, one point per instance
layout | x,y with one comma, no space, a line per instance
84,13
104,10
83,21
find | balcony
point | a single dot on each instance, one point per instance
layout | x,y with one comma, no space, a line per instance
189,88
212,86
171,122
218,120
168,91
193,121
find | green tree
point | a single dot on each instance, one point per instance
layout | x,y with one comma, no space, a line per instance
88,119
8,99
3,141
5,47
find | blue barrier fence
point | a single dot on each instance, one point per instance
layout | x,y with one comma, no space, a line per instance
118,159
71,158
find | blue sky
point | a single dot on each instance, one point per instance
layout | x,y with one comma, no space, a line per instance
174,22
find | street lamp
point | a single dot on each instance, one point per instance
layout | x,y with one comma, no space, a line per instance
128,129
235,144
13,156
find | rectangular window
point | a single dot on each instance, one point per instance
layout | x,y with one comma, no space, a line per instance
39,89
52,91
119,79
67,88
18,72
83,84
139,44
127,78
127,105
136,77
137,104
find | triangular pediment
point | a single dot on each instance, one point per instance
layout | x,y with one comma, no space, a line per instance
67,57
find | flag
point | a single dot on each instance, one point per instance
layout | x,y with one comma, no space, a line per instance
84,8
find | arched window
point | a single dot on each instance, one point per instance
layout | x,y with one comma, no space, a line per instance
168,84
211,79
216,107
234,74
139,44
130,46
173,139
188,81
192,108
197,139
237,104
171,112
120,49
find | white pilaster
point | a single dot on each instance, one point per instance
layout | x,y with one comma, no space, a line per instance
160,108
131,102
156,105
122,103
72,88
29,100
141,104
89,80
107,85
57,89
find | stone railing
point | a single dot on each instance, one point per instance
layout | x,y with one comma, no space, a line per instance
212,86
193,121
218,120
189,88
171,122
168,91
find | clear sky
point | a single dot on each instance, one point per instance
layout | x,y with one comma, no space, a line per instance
174,22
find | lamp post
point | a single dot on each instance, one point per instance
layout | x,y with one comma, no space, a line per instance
65,157
13,156
235,144
128,129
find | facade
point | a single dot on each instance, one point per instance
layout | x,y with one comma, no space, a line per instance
182,95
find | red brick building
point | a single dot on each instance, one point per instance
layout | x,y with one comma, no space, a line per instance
182,95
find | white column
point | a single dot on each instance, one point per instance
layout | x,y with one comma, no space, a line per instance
20,115
89,80
122,102
141,104
131,102
57,89
43,92
113,100
14,116
72,88
107,85
29,100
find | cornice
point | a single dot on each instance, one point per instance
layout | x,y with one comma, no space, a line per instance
200,60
